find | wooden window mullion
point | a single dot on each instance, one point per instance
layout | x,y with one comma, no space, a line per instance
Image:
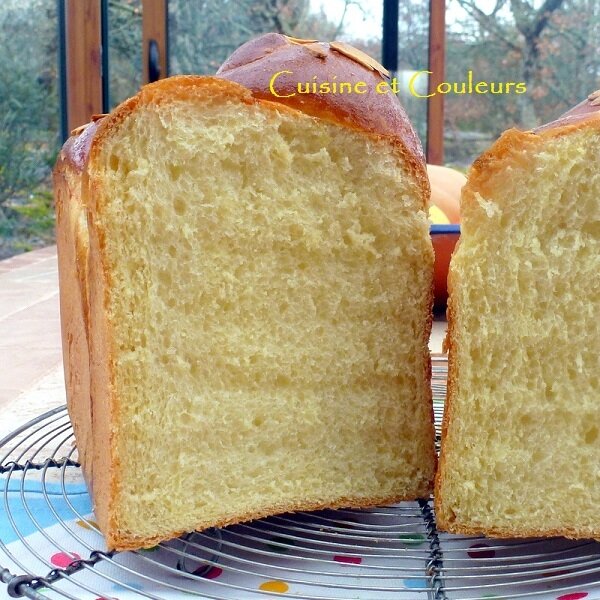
83,61
437,60
154,32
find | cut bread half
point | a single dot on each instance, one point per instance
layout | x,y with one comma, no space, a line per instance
521,436
256,304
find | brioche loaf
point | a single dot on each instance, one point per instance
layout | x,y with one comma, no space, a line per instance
246,303
520,444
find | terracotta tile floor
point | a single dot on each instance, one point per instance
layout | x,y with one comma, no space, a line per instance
29,321
31,378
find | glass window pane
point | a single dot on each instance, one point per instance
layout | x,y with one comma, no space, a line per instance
203,34
124,49
29,122
557,63
473,121
413,57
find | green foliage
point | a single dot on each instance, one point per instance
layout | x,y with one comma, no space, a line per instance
27,224
28,122
37,213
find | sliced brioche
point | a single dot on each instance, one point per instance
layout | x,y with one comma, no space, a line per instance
521,445
256,305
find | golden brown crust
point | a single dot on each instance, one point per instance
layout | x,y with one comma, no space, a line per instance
72,247
442,518
501,532
481,175
121,543
81,155
255,63
105,402
433,459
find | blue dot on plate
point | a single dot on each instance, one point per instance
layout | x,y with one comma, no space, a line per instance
415,584
122,588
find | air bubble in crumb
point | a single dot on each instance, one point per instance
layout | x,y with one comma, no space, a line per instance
179,206
591,435
491,208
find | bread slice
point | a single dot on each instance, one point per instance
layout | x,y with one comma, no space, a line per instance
521,445
254,303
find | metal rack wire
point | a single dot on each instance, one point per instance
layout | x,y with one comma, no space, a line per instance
393,552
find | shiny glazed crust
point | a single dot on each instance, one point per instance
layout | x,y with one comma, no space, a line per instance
505,149
85,279
73,251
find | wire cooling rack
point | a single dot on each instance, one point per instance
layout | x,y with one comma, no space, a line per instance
51,547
